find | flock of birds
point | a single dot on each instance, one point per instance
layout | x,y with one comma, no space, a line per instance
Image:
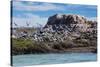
50,33
56,33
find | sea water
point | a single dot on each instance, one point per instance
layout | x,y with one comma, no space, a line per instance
41,59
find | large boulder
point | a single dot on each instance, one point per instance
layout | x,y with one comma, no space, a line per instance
70,22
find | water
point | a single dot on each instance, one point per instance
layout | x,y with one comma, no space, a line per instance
40,59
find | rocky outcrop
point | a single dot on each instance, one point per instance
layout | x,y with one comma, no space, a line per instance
73,24
61,27
68,22
62,33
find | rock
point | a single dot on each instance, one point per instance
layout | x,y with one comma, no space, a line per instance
67,21
60,26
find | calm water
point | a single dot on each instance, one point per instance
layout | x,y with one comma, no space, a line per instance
39,59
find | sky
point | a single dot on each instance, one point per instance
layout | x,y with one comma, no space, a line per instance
28,13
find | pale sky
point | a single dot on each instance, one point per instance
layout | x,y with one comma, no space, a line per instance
36,13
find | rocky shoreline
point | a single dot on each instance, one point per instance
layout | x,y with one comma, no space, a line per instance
70,50
62,33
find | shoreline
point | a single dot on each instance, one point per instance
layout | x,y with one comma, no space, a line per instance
69,50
